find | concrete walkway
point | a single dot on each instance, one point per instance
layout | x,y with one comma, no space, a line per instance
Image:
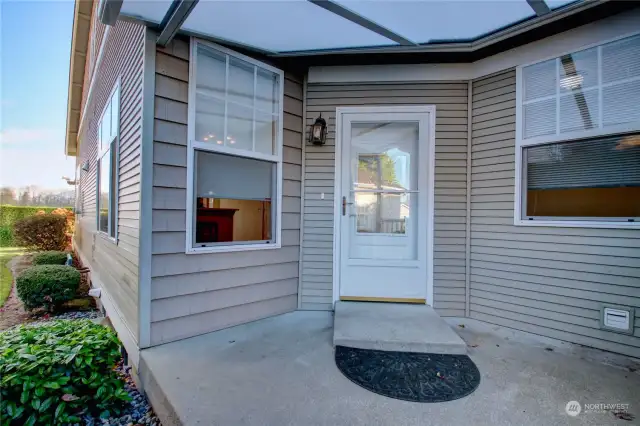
280,371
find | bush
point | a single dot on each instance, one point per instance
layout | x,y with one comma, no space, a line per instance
52,257
47,286
41,232
6,236
11,214
69,215
53,373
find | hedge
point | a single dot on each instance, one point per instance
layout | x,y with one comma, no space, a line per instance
51,257
6,236
11,214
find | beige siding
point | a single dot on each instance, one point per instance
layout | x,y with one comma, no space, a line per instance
450,99
199,293
115,264
548,281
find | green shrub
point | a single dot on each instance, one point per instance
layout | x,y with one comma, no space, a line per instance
55,372
11,214
41,232
6,236
51,257
47,286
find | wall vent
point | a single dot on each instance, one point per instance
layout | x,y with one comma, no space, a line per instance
617,318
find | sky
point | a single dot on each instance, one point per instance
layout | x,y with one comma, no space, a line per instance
35,43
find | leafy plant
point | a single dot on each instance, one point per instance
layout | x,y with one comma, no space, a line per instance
52,257
55,372
47,286
41,232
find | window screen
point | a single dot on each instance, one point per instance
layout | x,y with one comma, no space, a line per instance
233,199
594,178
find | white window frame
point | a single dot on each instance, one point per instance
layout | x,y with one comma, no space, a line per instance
521,143
101,152
193,145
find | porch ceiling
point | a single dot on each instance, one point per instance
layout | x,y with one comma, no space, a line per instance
302,27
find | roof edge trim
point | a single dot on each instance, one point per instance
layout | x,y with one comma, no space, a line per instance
79,41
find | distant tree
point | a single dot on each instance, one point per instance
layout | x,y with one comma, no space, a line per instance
378,169
25,198
7,195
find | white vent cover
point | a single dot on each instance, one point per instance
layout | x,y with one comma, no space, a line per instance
617,319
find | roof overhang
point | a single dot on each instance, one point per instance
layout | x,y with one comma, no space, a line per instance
79,43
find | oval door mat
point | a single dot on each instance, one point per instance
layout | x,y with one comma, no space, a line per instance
409,376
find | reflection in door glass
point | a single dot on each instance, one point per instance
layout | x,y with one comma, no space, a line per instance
382,175
384,152
381,213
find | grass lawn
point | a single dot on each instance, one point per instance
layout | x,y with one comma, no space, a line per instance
6,253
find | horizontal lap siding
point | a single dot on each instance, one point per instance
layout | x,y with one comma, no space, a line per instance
115,264
548,281
450,100
196,294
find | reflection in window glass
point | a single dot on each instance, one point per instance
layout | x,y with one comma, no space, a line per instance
104,188
384,152
237,103
233,199
241,78
596,178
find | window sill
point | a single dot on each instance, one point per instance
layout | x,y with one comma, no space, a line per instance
107,237
231,249
577,224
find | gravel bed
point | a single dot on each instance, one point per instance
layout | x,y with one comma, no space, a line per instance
94,314
138,411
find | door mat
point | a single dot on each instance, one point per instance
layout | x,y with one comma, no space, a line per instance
410,376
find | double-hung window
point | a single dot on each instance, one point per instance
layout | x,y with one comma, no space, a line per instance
107,161
234,152
578,138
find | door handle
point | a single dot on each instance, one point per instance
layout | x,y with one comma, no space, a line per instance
344,206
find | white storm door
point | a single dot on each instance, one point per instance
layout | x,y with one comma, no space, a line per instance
384,173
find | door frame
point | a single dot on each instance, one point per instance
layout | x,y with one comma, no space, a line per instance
337,188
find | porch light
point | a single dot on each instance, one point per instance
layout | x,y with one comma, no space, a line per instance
318,133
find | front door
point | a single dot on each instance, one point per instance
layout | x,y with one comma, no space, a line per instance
385,222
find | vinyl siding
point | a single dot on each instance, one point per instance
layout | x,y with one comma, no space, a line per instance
548,281
198,293
97,32
450,99
116,265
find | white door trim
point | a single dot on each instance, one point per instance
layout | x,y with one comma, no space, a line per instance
337,188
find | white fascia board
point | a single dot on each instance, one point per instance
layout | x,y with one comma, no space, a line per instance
625,23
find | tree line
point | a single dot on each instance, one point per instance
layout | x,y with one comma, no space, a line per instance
34,196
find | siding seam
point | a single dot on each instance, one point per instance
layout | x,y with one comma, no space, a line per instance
467,266
302,182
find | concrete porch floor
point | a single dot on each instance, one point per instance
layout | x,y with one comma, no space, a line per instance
280,371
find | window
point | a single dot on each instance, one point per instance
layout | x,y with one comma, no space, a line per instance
578,138
108,137
235,134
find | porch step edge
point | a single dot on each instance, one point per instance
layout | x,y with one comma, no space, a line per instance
394,327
